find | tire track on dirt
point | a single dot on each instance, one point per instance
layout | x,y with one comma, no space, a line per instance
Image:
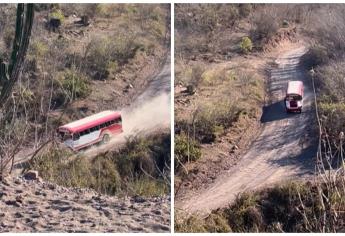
284,149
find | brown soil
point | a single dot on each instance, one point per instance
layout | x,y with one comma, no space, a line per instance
36,206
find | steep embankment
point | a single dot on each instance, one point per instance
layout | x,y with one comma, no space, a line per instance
284,149
36,206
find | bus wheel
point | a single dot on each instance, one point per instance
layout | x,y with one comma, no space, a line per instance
106,138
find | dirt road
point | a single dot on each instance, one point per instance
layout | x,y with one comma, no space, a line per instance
284,149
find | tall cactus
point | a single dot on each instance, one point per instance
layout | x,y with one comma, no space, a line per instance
9,73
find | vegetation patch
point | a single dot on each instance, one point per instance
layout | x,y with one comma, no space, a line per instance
141,167
246,45
292,207
71,85
186,149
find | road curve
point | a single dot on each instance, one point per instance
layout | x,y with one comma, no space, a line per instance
283,150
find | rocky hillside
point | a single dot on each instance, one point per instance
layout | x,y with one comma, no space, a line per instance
31,205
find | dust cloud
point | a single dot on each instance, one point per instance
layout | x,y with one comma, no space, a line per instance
139,119
144,118
149,113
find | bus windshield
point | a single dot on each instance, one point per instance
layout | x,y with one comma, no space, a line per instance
64,136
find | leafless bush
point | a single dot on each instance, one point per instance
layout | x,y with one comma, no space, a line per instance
265,23
327,26
316,55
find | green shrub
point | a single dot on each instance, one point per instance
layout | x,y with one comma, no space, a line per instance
100,174
246,45
285,23
145,186
333,118
107,179
217,223
186,149
291,207
72,84
105,55
192,224
240,214
135,169
57,14
38,49
211,121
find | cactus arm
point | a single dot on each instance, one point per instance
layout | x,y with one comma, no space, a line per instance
3,72
18,35
20,47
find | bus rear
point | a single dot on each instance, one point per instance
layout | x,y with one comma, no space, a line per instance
294,96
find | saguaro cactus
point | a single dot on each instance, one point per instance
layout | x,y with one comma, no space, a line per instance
9,73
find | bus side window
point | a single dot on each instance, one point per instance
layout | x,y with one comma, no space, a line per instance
76,136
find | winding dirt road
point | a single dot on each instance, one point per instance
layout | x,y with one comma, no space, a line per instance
284,149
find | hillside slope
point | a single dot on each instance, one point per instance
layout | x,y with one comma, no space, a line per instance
37,206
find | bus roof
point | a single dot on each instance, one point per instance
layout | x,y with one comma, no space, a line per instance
295,87
90,121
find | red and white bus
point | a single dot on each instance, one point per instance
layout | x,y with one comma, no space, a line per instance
91,130
294,96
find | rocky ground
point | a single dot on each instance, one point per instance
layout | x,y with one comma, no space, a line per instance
28,205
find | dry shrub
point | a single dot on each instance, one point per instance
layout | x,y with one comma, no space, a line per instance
291,207
71,85
329,80
139,168
316,55
186,150
210,121
329,29
104,54
265,23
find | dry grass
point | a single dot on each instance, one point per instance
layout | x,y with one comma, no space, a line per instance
141,167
